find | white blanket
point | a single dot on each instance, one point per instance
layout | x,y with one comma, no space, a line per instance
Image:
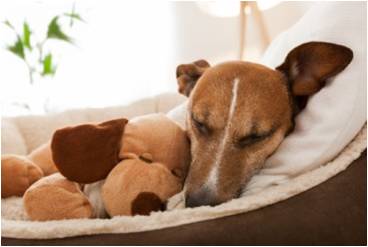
14,225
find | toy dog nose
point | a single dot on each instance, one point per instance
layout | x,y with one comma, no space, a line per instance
201,198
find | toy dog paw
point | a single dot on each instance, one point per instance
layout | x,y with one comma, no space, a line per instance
64,200
17,174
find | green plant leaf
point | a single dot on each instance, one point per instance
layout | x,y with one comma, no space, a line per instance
7,23
27,36
48,67
54,31
74,16
17,48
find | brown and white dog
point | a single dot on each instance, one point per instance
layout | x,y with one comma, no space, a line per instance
239,112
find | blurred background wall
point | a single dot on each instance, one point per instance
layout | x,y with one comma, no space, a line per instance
127,50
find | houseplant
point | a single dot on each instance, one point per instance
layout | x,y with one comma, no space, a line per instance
37,53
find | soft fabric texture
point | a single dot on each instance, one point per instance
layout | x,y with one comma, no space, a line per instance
23,173
23,134
87,153
335,114
55,198
155,156
179,114
43,158
325,224
16,225
122,190
155,137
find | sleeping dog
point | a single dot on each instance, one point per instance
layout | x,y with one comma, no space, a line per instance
238,113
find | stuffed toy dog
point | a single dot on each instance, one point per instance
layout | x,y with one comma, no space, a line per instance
132,166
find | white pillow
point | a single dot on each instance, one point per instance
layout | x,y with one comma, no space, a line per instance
336,113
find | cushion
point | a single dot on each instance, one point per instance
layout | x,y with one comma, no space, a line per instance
335,114
21,135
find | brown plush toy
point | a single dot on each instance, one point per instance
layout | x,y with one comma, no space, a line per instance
144,162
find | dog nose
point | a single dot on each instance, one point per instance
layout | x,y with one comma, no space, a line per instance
201,198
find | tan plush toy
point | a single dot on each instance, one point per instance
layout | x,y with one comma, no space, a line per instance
142,187
19,172
144,162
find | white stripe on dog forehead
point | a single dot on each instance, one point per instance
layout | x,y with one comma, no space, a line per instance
212,179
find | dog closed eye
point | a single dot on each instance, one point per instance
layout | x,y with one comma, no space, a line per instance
252,139
200,126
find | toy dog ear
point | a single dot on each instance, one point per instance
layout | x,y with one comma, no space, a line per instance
87,153
147,202
188,74
308,66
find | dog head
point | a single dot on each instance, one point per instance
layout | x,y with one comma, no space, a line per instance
240,112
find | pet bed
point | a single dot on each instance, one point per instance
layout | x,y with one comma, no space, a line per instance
22,134
15,224
286,221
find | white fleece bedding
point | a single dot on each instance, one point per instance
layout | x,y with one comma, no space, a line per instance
14,221
15,138
338,111
14,225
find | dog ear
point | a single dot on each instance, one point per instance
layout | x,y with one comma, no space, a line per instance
308,66
188,74
87,153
